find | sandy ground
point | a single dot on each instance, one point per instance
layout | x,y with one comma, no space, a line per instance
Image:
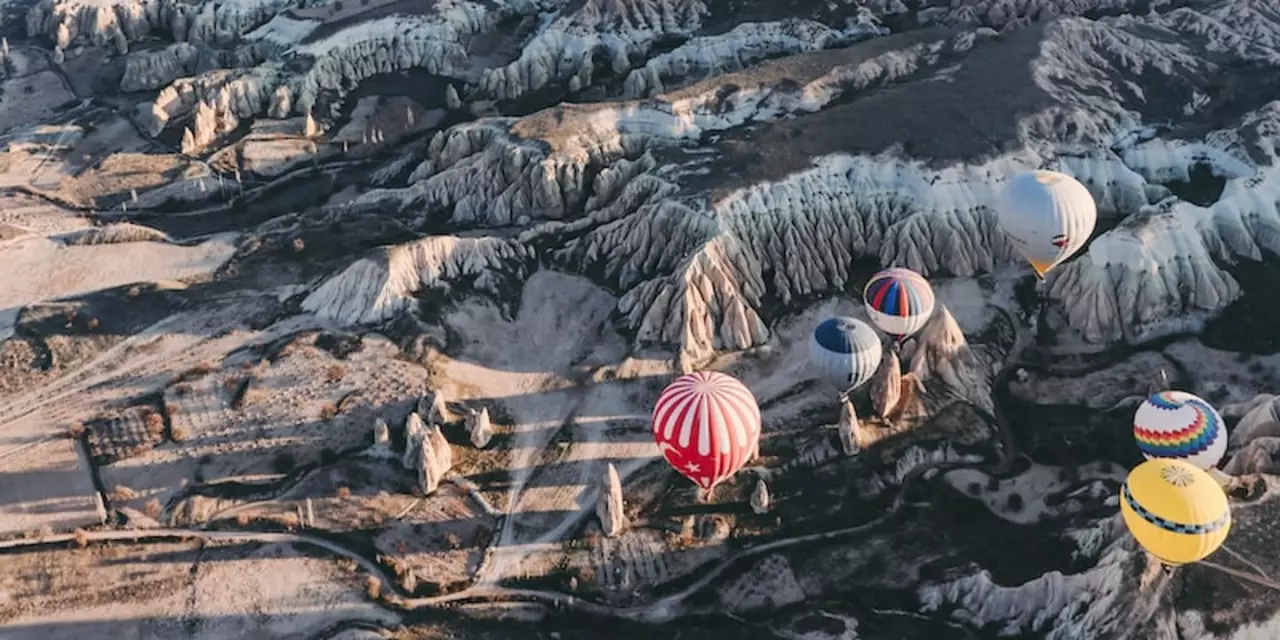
178,590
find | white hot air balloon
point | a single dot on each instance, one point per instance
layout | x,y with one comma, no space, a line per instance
845,351
1182,426
1048,216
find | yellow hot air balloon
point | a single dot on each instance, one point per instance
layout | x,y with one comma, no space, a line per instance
1176,511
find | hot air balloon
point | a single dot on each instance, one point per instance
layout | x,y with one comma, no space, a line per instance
845,351
1048,216
707,425
1177,424
899,301
1175,511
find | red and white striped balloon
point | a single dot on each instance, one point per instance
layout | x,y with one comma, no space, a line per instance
707,425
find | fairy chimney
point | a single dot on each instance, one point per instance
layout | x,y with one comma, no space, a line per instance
942,350
886,384
609,504
435,458
1159,383
848,429
413,432
760,498
309,127
432,408
479,427
451,99
381,436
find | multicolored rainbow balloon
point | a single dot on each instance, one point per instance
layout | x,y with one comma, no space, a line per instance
1179,425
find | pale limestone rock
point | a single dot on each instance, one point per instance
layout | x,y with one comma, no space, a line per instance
850,436
1159,383
451,99
943,352
886,384
479,427
435,458
609,505
760,498
413,434
433,408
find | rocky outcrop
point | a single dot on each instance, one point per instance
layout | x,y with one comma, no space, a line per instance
414,431
886,384
380,286
435,459
609,505
760,498
433,408
848,431
479,427
381,446
943,352
745,44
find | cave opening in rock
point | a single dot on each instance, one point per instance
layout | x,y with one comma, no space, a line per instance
1202,187
1249,324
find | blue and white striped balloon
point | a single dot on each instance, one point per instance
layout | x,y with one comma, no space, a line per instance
845,351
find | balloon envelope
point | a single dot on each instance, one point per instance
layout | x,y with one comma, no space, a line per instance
1048,216
707,425
899,301
845,351
1176,511
1177,424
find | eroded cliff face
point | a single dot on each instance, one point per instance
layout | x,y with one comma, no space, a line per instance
661,206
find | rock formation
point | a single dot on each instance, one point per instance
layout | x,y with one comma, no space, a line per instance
760,498
1160,382
886,384
942,351
848,430
479,427
381,439
433,408
414,431
435,458
609,505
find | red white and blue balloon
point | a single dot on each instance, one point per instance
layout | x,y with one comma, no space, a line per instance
707,426
899,301
1179,425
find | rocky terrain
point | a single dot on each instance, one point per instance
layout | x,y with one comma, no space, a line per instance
344,319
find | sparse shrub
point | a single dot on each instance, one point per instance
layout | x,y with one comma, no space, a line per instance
974,488
993,484
402,547
29,89
344,492
121,493
246,365
1242,357
1233,378
231,383
1014,503
452,540
93,324
82,538
373,587
75,430
329,411
1219,394
154,423
1256,368
134,291
242,520
202,369
284,462
335,373
182,388
299,245
153,508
